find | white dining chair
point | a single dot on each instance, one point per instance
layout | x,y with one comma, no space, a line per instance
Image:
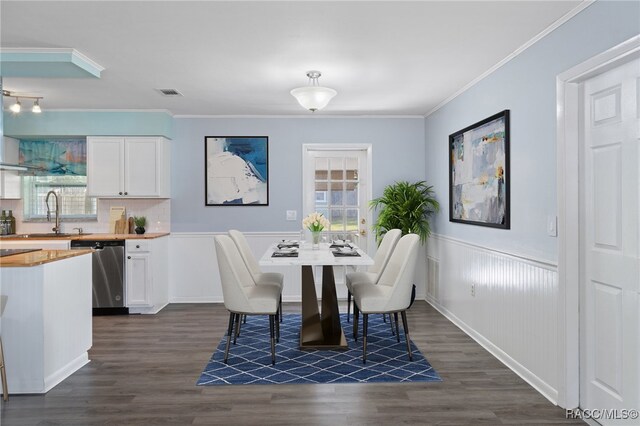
392,294
241,295
259,277
373,273
3,371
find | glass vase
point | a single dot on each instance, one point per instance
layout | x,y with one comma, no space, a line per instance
315,240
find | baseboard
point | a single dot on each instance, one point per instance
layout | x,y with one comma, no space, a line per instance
150,310
540,385
57,376
194,299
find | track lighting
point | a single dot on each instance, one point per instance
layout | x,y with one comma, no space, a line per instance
17,107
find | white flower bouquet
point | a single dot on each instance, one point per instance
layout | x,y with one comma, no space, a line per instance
315,222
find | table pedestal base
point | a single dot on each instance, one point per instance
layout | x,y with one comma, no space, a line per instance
320,331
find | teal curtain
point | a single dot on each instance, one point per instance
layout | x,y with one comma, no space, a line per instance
55,157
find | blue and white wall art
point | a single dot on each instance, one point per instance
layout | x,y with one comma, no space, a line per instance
237,170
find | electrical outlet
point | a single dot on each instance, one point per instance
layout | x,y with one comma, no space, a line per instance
292,215
473,289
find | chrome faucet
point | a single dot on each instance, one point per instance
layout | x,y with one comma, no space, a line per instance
56,228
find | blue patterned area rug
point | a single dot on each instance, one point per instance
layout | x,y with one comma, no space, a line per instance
250,358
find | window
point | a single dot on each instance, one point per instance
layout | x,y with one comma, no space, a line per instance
71,191
336,185
62,167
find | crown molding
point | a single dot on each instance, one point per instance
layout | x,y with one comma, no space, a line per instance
566,17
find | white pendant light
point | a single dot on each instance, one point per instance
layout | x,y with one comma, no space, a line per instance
16,107
36,107
313,97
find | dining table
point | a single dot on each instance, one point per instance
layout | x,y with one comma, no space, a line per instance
320,329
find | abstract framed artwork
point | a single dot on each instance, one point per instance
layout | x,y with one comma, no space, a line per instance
236,170
479,173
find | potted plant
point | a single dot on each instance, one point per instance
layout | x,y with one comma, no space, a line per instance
405,206
408,207
139,222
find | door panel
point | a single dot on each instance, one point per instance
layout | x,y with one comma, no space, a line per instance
610,233
336,184
606,196
607,313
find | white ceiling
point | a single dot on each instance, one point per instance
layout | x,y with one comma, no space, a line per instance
243,58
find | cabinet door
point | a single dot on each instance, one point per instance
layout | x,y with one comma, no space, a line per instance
105,159
9,185
10,180
141,171
138,280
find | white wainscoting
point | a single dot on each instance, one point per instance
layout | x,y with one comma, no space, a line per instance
194,277
513,313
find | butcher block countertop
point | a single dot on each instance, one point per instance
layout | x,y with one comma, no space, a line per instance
107,237
98,236
40,257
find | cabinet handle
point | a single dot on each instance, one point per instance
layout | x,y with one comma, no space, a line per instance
128,257
137,246
119,193
126,193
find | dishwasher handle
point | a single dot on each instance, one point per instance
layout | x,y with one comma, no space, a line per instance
96,245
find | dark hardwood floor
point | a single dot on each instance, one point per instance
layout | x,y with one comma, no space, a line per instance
144,369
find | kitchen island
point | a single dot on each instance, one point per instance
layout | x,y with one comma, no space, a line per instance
46,324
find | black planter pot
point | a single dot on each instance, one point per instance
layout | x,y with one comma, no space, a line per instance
139,229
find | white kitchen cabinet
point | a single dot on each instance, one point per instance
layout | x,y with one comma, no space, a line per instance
134,167
9,179
147,273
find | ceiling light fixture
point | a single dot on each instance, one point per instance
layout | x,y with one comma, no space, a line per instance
17,107
313,97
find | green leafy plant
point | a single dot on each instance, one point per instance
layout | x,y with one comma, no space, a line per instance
405,206
140,221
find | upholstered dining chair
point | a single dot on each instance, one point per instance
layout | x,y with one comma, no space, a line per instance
241,295
392,294
372,275
3,372
249,259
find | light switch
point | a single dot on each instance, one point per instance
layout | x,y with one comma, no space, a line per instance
292,215
552,226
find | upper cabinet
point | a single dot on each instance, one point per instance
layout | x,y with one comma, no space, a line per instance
9,179
134,167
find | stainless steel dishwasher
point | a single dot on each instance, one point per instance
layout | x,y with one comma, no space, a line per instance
108,275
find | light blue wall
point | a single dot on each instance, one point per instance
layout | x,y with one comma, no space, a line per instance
88,123
398,154
527,86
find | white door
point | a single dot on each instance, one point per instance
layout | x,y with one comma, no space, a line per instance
336,184
609,229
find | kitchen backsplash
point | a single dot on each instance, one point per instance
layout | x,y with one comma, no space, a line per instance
157,212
